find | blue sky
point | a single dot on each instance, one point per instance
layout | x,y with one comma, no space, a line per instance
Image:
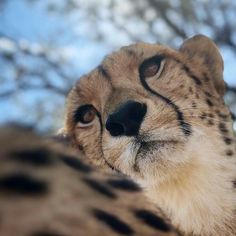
32,23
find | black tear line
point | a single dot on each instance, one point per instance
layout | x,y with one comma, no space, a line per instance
100,120
185,127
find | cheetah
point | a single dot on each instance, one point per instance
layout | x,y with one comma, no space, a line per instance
47,189
157,115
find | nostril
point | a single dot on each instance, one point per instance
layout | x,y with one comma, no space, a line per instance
115,129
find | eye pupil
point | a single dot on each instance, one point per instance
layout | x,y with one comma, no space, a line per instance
151,70
85,114
151,67
89,116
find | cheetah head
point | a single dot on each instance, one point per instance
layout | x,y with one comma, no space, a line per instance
150,111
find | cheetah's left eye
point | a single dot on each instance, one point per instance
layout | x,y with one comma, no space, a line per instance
85,115
152,67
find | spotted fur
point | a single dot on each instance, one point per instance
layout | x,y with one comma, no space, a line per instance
47,190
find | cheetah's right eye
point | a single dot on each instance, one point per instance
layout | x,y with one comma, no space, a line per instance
152,67
85,115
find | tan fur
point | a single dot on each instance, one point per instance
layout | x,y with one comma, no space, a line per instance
191,177
66,208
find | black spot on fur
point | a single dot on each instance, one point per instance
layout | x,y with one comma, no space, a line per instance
222,128
99,187
203,116
76,164
208,94
113,222
194,105
228,141
234,183
190,74
124,184
37,157
152,220
229,153
209,102
210,122
22,184
222,115
46,233
104,72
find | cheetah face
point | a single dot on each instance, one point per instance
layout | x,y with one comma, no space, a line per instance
145,107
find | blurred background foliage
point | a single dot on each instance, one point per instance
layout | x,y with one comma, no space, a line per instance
45,45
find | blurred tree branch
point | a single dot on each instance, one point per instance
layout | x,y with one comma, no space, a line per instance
23,72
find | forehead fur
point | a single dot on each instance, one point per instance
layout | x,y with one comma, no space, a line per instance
124,64
117,70
91,88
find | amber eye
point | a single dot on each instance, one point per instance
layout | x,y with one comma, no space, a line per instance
151,70
151,67
85,115
89,116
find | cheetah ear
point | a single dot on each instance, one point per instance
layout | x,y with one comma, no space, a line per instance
201,50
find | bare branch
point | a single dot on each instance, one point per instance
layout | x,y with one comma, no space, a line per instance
162,8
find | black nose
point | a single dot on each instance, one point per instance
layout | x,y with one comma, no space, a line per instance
127,119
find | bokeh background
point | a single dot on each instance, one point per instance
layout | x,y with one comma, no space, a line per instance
46,45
